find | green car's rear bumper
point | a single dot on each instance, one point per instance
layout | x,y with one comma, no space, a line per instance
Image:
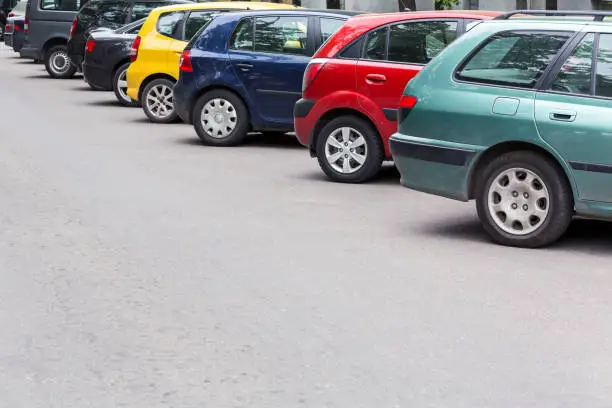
434,166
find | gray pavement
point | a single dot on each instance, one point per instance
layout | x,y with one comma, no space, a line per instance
139,268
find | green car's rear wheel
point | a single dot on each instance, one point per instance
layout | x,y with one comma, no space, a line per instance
523,199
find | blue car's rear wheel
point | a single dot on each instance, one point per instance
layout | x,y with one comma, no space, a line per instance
220,118
524,200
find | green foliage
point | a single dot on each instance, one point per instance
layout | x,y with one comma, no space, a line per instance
445,4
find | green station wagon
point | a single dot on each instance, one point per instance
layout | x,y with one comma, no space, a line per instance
516,114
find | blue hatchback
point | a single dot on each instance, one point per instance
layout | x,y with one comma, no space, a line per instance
243,71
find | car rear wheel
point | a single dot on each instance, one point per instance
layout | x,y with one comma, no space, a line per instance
524,200
120,86
158,101
220,118
349,150
58,64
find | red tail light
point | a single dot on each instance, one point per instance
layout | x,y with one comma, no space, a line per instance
11,14
73,26
407,102
7,28
185,65
15,27
89,45
134,49
26,25
312,70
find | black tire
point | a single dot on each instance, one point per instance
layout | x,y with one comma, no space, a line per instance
56,55
241,120
374,154
95,87
119,94
559,204
153,117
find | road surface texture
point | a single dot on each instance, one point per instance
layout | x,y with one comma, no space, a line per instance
139,268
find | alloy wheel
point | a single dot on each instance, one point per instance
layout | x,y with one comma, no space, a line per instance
122,86
518,201
346,150
160,101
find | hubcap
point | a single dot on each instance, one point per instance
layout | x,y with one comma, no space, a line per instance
518,201
60,62
160,101
218,118
346,150
122,86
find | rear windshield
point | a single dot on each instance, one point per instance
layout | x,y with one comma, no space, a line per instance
131,28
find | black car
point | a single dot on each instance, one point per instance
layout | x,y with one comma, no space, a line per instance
14,35
109,14
107,58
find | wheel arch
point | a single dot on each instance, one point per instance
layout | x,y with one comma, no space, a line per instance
150,78
218,87
331,115
119,64
52,42
505,147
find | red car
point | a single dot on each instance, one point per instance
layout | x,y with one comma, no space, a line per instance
353,84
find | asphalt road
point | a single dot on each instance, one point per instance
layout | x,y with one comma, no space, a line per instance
139,268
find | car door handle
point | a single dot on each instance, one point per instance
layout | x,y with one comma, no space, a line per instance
563,116
377,78
244,67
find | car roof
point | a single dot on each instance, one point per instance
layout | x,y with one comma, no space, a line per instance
545,23
226,5
374,20
302,11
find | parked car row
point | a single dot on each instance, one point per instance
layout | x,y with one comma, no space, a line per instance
507,109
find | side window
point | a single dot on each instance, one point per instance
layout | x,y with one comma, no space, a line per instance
575,74
328,27
513,58
282,35
60,5
420,42
195,21
603,78
111,13
168,22
376,45
142,10
242,37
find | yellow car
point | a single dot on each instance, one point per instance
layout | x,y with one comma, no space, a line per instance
156,52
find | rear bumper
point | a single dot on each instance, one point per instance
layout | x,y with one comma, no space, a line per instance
8,39
134,77
98,76
17,42
28,51
434,166
182,101
303,124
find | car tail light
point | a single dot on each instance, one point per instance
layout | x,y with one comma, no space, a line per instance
89,45
15,27
312,70
407,102
185,65
134,49
73,26
26,25
7,28
11,14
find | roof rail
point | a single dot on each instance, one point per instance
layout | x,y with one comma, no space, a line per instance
597,15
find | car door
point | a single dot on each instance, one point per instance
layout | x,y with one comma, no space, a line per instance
572,114
270,67
392,56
